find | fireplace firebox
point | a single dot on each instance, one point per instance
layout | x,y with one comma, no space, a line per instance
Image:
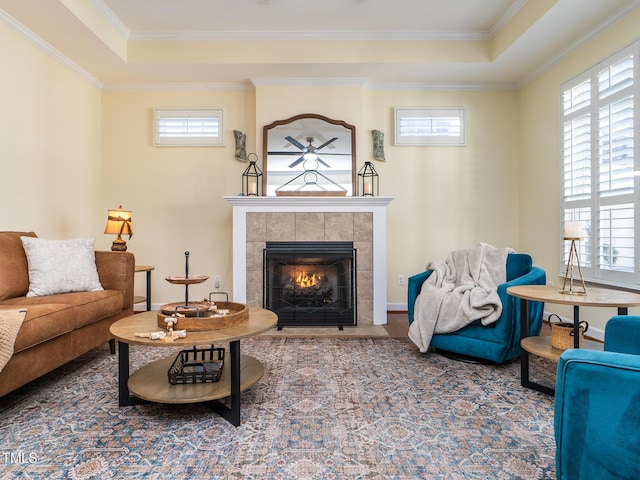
310,283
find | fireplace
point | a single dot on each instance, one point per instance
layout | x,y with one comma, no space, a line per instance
361,220
310,283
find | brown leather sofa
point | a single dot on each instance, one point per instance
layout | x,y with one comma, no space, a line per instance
61,327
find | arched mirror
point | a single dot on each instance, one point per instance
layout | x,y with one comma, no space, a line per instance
309,155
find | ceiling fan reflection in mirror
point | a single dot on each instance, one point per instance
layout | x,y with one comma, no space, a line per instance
308,181
309,154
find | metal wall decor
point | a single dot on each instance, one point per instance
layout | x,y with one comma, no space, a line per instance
378,145
241,145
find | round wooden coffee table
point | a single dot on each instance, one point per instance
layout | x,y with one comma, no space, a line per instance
150,382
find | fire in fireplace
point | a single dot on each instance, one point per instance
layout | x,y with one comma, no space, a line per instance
310,283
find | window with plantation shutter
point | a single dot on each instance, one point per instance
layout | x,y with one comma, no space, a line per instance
600,135
429,126
187,127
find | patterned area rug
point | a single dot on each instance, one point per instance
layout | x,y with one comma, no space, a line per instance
327,408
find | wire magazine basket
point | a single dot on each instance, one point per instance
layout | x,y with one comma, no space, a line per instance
197,366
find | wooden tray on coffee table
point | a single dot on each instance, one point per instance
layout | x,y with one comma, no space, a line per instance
238,314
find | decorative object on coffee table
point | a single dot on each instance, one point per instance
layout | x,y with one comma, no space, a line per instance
186,280
197,366
202,315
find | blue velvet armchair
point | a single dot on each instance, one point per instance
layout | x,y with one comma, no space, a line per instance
498,342
597,407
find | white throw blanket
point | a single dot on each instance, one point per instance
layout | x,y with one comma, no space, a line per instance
459,291
10,323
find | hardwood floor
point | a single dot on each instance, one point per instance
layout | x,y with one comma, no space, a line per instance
397,324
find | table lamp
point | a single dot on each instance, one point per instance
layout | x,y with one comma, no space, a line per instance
119,223
573,233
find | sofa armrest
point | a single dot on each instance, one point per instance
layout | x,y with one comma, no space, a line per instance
596,424
622,334
511,305
116,271
414,285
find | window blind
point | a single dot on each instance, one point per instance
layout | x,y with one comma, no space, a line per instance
188,127
600,164
429,126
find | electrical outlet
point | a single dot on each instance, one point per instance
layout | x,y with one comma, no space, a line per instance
217,281
400,279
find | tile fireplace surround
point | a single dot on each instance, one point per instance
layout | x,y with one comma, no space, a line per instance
362,220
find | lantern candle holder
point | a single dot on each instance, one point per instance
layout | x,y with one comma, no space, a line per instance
368,181
252,178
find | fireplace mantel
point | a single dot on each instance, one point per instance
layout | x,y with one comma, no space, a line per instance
377,206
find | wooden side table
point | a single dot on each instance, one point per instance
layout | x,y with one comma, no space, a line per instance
139,299
541,346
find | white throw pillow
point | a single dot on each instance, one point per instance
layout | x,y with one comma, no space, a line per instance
61,266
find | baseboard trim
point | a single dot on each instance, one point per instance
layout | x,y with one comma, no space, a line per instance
397,307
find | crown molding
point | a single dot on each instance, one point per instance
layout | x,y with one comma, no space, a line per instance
342,82
570,49
182,87
305,35
45,47
506,17
487,86
105,11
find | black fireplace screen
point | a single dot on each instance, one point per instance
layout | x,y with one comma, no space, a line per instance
310,283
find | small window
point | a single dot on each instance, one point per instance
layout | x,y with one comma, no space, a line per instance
187,127
429,126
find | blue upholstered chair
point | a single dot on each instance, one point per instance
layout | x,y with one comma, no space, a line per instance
498,342
597,407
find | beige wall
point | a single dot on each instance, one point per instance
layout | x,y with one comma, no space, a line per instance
446,197
70,152
539,102
176,194
49,144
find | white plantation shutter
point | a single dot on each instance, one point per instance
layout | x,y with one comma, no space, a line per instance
600,159
429,126
187,127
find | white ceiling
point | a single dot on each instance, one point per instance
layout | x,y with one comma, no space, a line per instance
160,17
71,30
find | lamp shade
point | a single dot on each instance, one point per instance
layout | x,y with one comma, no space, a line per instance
573,230
119,222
